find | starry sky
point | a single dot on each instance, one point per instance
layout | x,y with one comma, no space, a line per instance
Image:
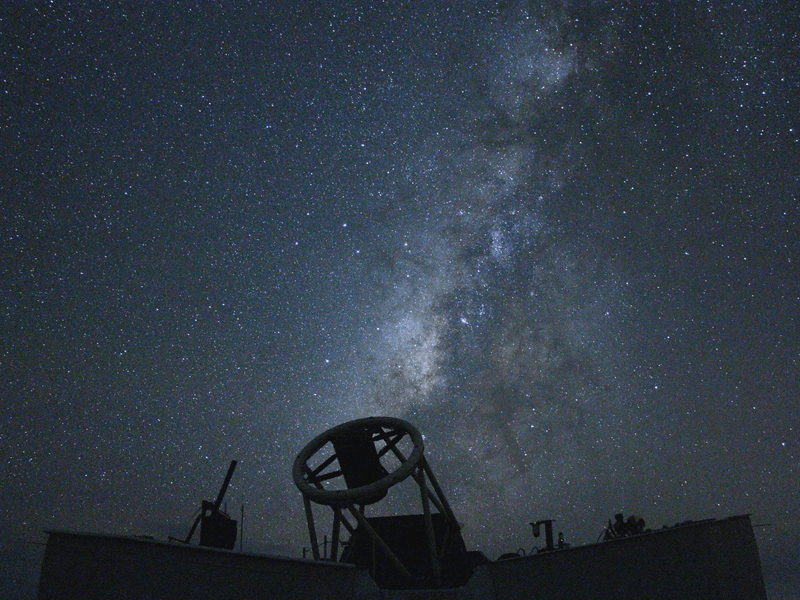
561,238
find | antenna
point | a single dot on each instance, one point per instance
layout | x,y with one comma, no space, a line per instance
217,529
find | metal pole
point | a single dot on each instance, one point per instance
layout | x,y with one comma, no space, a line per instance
401,457
312,531
362,521
337,519
447,510
225,484
426,509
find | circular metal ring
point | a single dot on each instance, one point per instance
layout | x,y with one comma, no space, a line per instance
358,495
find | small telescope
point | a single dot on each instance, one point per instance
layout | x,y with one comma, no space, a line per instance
217,529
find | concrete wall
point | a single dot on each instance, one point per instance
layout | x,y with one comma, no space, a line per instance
713,560
87,567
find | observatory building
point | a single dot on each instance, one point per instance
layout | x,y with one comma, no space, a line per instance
343,474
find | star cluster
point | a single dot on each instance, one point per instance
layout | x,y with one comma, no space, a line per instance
561,240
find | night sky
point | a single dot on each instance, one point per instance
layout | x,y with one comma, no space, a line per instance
560,239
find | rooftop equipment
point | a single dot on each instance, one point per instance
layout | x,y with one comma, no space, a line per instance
217,529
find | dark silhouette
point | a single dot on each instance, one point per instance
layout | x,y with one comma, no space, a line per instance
622,527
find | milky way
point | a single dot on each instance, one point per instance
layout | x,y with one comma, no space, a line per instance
560,240
491,320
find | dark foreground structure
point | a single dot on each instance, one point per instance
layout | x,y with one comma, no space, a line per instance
710,560
418,556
